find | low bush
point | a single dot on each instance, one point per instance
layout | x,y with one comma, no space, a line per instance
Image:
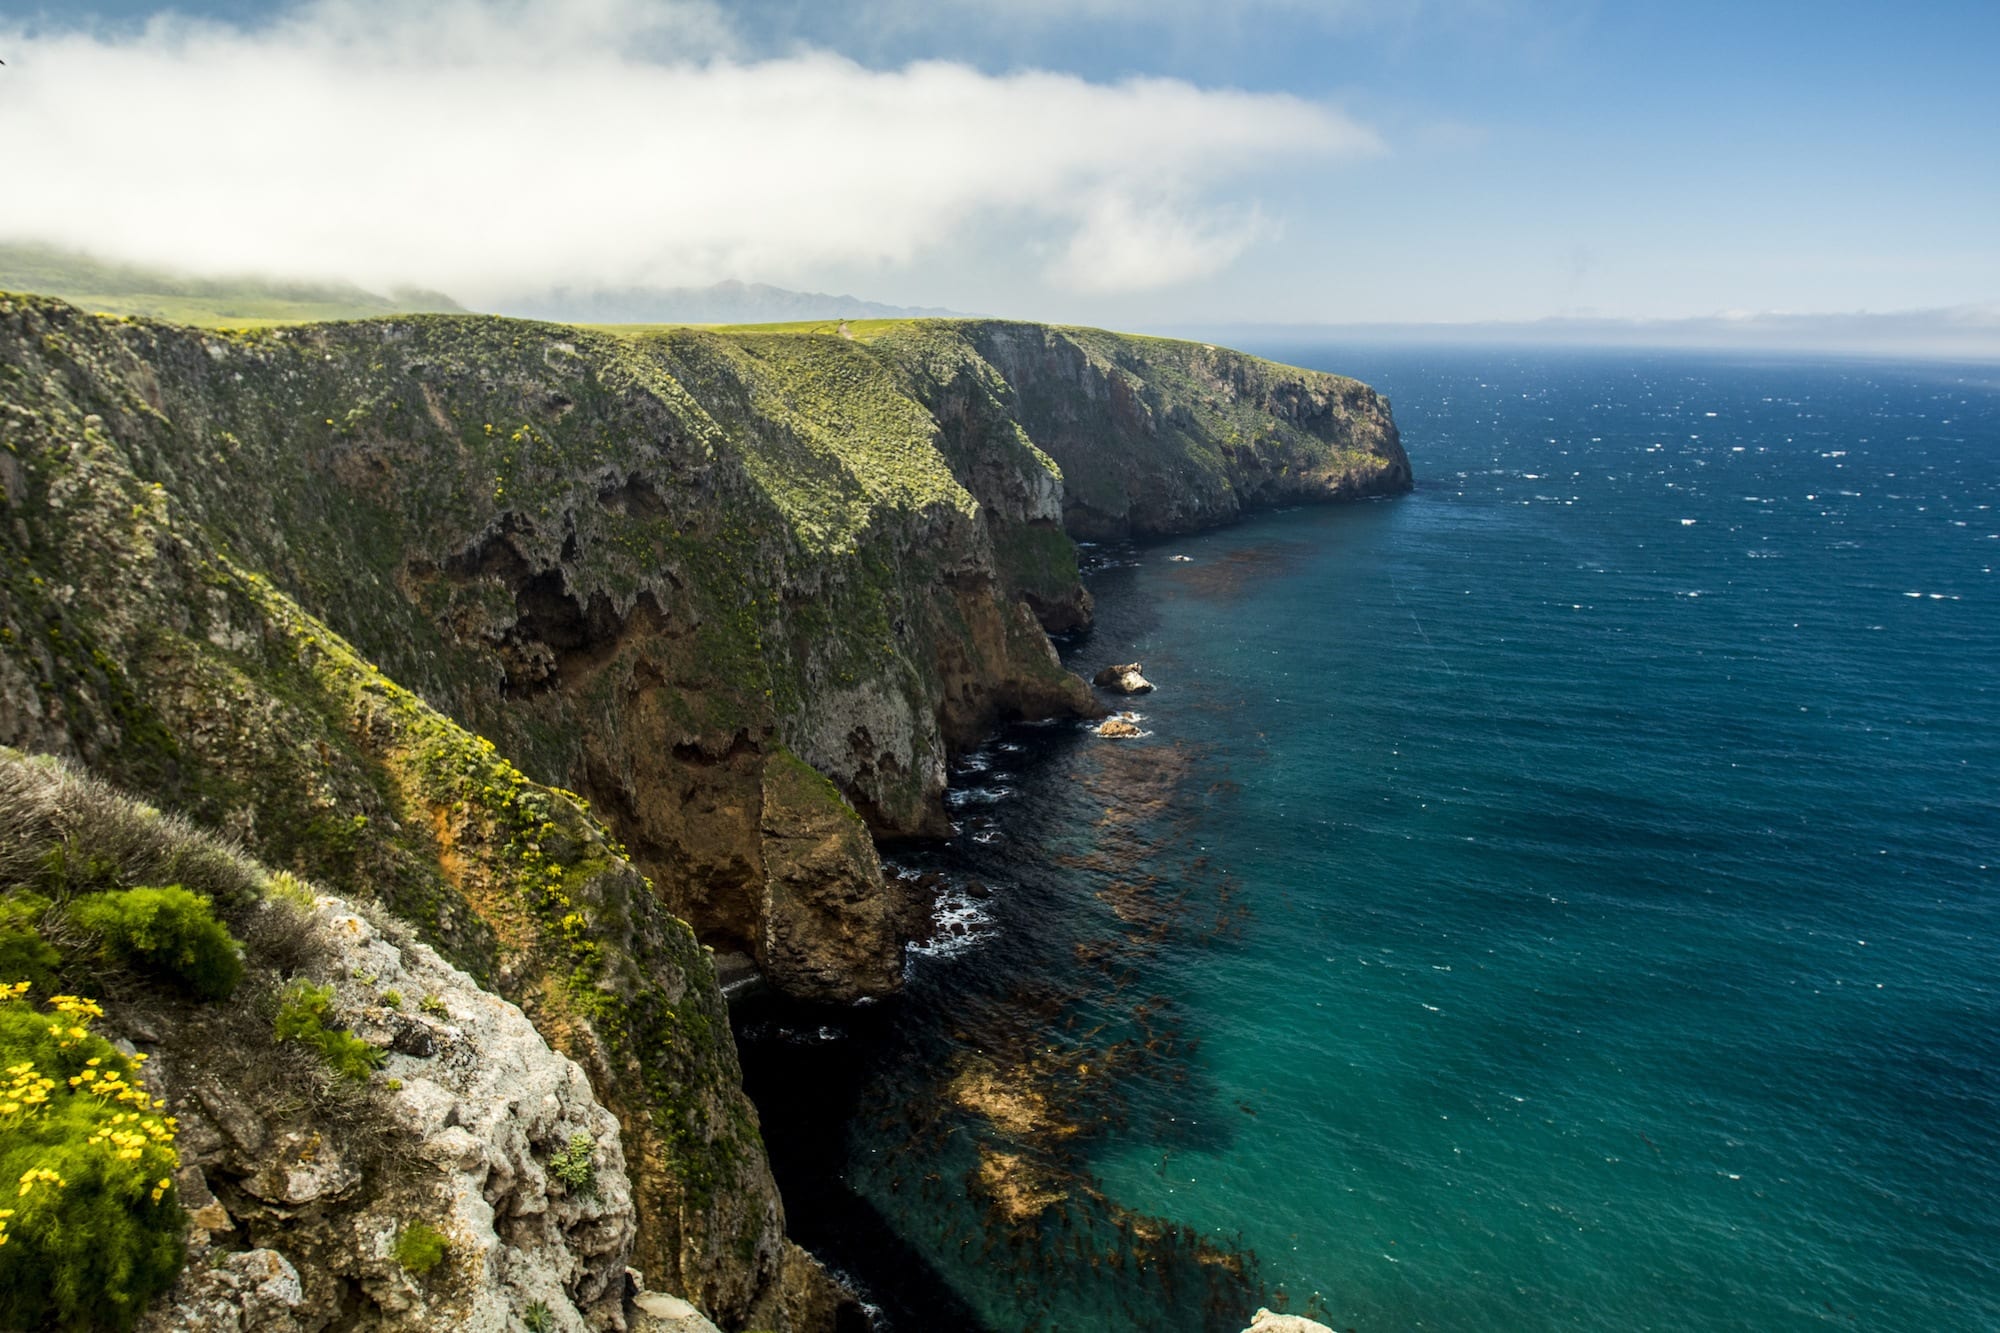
24,954
303,1010
90,1230
166,933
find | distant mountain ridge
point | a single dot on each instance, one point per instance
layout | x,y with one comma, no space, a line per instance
728,302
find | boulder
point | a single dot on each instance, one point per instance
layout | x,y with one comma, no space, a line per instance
1125,679
1123,726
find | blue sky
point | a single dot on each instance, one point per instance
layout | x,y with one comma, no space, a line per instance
1267,160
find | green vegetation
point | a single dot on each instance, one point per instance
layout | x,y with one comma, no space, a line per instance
303,1011
24,954
165,933
420,1247
538,1318
90,1229
575,1165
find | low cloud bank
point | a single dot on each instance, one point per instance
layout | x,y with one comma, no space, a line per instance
508,145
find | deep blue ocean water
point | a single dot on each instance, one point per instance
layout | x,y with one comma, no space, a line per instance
1563,898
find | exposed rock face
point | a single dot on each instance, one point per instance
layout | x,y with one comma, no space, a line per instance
1157,437
1122,726
479,1106
649,567
1124,679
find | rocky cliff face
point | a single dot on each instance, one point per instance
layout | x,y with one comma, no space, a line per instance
652,568
369,597
1156,436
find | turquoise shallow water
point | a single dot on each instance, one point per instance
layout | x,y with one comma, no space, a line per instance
1562,898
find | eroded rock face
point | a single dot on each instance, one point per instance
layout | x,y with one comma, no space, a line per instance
1123,679
832,926
1158,438
458,1134
647,568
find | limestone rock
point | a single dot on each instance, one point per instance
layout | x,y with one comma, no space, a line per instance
656,1312
471,1125
1267,1322
252,1291
1123,726
1125,679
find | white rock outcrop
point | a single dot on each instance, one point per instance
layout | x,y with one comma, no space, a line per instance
474,1109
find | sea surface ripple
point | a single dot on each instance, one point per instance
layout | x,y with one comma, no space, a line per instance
1563,898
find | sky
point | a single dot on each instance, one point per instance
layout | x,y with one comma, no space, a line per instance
1121,162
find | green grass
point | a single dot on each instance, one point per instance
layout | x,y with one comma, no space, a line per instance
860,330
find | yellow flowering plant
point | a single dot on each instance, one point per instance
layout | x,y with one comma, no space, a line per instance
90,1229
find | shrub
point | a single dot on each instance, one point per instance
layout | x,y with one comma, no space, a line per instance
420,1247
93,1231
302,1016
576,1165
24,954
167,933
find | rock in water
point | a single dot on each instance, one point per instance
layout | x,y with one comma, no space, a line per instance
1125,679
1266,1322
1121,727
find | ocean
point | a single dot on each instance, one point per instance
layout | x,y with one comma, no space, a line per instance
1561,898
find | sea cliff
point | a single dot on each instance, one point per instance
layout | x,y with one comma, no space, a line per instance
580,650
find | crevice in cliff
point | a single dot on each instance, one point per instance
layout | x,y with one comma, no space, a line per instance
554,637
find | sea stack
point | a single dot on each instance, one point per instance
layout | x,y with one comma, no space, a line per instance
1125,679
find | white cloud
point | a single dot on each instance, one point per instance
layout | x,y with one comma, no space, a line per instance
1123,245
480,147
